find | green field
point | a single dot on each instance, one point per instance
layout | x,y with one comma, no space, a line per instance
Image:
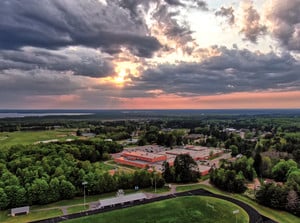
177,210
157,191
32,216
78,200
8,139
76,209
188,187
276,215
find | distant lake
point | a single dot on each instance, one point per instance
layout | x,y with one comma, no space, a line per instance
143,113
40,114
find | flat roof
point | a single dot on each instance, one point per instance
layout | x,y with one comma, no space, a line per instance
203,168
121,199
178,151
142,154
134,161
20,210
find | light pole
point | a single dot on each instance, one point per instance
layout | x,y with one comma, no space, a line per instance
154,182
84,183
235,212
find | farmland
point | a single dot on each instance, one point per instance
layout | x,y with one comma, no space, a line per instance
8,139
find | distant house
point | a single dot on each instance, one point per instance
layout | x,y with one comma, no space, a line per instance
88,134
20,210
230,130
239,156
194,138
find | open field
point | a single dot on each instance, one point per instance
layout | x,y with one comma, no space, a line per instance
277,215
158,190
79,200
32,216
8,139
52,210
40,212
188,187
183,209
121,167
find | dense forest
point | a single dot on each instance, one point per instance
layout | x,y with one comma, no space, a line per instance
44,173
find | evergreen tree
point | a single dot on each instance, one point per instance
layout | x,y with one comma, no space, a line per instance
186,169
258,164
167,173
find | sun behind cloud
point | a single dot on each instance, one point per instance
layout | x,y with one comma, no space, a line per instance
120,78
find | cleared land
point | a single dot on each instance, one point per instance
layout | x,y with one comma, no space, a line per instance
8,139
183,209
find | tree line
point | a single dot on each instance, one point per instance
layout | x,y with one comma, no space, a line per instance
232,176
45,173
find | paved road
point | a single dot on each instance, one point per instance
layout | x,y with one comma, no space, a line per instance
254,216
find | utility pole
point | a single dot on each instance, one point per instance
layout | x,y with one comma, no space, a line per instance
84,183
155,182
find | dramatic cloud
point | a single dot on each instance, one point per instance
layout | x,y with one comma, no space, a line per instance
252,27
105,53
285,22
189,3
164,16
228,13
174,2
170,27
79,61
39,82
202,5
54,24
232,71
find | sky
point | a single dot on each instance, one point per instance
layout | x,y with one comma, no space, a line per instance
149,54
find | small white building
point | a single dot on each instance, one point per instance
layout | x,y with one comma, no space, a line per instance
20,210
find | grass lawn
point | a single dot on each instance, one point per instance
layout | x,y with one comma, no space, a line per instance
121,167
158,190
188,187
277,215
76,209
32,216
8,139
177,210
103,166
78,200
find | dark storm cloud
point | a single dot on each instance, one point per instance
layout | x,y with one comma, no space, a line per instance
57,23
285,16
232,71
202,5
83,62
181,33
38,82
189,3
252,27
164,14
174,2
228,13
